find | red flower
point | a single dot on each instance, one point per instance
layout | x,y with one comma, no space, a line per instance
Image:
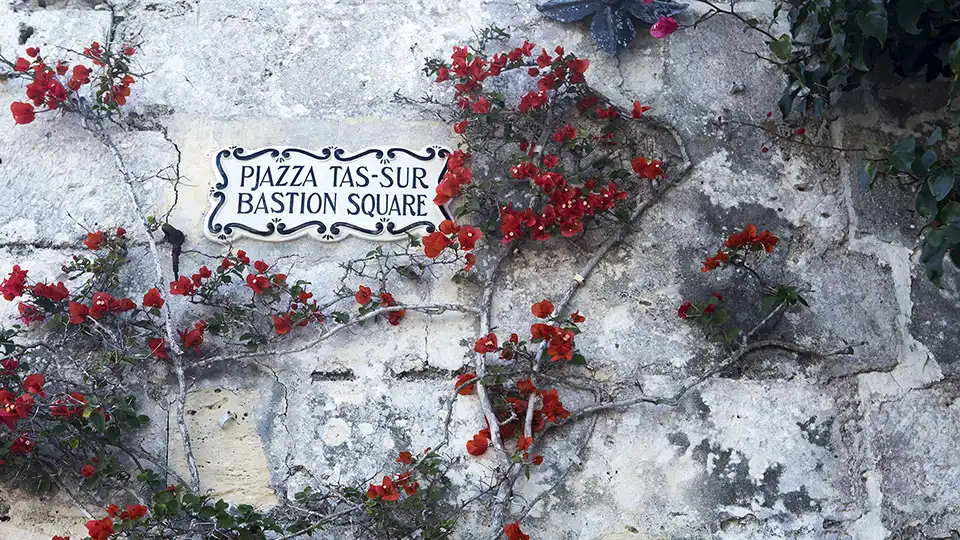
405,458
22,64
94,240
158,347
14,285
66,407
129,51
468,389
363,295
550,161
99,529
134,511
387,491
709,308
564,133
61,538
192,338
153,299
512,531
482,106
259,284
122,305
684,309
639,109
9,365
78,313
100,304
768,240
461,127
281,324
478,445
22,445
577,317
57,292
664,27
242,257
471,260
606,114
712,263
486,344
29,313
87,471
524,442
561,346
649,170
23,113
435,243
526,386
34,384
540,331
261,267
468,237
542,309
552,408
112,510
182,286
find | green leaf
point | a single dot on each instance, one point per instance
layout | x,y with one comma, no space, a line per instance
908,15
874,22
903,153
950,214
955,256
931,255
954,55
868,174
926,203
941,184
99,420
578,360
935,137
783,47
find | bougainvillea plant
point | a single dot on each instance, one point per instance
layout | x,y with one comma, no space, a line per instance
568,157
98,84
742,250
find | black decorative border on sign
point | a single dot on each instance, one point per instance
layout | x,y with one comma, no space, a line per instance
279,228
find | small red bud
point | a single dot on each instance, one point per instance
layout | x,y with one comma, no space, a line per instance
764,149
801,131
769,114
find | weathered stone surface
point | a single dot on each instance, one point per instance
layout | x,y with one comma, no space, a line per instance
857,446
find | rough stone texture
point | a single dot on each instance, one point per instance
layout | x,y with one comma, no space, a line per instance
860,446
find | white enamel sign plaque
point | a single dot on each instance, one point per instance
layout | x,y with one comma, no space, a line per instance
280,193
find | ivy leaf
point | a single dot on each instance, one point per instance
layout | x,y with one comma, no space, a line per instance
903,154
783,47
926,203
950,214
954,56
941,184
99,420
935,137
868,174
874,21
908,15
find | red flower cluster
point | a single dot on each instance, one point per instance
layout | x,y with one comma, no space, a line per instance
101,304
14,285
751,240
468,389
457,176
567,208
647,169
460,238
364,297
49,87
747,240
99,529
389,489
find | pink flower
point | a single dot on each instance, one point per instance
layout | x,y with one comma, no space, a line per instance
664,27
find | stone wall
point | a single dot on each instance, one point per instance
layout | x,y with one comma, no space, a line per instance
859,446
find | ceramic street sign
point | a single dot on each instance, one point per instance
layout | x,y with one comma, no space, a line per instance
280,193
